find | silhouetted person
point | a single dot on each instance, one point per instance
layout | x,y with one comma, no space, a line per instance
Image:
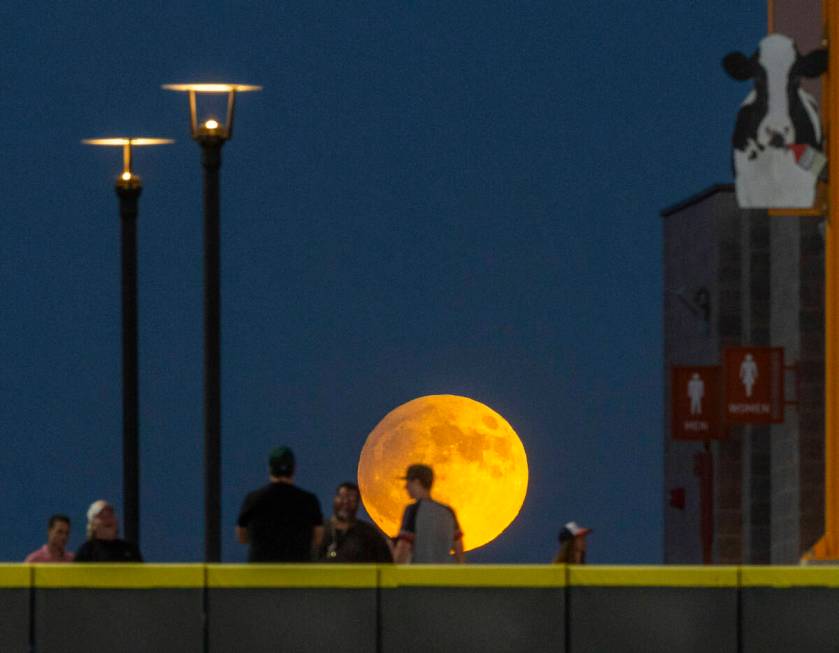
58,533
348,539
429,532
103,543
280,521
572,544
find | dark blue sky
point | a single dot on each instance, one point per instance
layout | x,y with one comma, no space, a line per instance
426,198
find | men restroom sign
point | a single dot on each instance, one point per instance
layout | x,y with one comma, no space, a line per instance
695,403
754,385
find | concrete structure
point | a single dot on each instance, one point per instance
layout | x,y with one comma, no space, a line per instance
764,281
383,608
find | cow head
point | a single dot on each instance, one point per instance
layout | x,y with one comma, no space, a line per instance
777,69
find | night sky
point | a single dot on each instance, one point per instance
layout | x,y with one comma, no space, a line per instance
427,198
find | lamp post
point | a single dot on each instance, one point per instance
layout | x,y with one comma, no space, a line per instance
128,189
211,131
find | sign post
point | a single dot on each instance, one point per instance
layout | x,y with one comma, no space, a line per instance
697,416
827,548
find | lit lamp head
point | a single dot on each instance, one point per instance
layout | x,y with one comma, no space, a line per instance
204,124
127,179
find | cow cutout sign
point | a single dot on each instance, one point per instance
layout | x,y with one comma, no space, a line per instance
778,143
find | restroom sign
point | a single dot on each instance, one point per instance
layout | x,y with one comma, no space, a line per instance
695,403
754,385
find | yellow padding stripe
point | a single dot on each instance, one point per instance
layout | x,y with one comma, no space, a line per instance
131,576
473,576
13,575
815,576
119,576
663,576
289,576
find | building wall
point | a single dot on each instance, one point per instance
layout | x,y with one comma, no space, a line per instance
798,444
765,276
701,250
732,320
784,437
811,373
797,251
756,265
802,21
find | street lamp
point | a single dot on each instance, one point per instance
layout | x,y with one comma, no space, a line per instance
211,131
128,188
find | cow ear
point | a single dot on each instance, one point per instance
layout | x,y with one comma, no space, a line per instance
738,66
812,64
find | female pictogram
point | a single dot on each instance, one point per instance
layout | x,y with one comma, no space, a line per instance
748,373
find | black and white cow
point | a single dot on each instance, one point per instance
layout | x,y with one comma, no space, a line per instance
776,122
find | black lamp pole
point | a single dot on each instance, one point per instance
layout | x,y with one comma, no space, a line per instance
129,191
211,161
211,134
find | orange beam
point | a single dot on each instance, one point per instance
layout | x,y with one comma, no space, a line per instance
827,548
831,262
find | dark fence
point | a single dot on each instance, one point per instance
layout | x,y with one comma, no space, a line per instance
365,608
15,607
299,608
681,609
125,608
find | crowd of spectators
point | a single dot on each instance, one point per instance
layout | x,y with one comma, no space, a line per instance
102,544
281,522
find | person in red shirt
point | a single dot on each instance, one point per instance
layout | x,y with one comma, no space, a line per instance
58,533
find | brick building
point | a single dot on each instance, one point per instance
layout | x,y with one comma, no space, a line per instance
739,277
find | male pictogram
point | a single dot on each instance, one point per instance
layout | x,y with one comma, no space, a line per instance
748,373
695,402
696,391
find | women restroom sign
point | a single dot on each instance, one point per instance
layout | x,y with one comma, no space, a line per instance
754,385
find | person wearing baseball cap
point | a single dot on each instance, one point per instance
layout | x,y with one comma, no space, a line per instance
572,544
430,532
280,521
103,543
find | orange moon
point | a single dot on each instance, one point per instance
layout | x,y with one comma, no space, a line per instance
480,466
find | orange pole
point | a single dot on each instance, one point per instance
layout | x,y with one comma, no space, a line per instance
831,262
827,548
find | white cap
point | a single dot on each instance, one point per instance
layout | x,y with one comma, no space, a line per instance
95,508
572,529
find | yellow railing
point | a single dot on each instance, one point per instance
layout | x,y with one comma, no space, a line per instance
221,576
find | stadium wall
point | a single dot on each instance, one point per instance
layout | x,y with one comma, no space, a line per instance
201,608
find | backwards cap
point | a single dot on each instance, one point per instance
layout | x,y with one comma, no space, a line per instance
281,461
572,530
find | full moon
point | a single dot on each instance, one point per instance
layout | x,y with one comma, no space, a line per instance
480,467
